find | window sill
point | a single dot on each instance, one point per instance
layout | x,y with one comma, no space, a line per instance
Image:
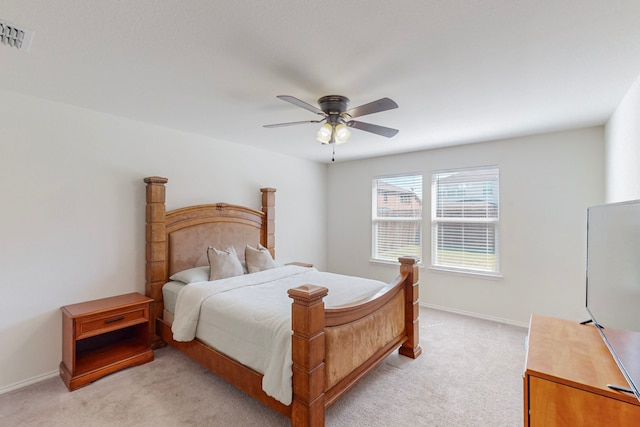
467,273
394,263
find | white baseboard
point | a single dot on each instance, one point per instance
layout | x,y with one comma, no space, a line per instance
478,315
29,381
52,374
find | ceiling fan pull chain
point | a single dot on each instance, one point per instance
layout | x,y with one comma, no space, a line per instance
333,158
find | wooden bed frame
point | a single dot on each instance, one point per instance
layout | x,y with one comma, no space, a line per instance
332,348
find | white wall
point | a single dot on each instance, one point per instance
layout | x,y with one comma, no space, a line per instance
546,184
73,208
623,149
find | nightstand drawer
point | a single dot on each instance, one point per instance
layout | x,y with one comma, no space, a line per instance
110,321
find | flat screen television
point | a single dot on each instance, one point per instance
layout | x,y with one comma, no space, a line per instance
613,284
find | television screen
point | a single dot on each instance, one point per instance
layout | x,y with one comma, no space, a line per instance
613,283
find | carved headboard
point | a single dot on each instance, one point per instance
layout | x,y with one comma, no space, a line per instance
178,239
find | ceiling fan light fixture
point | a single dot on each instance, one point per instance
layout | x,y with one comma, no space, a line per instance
337,117
342,133
324,133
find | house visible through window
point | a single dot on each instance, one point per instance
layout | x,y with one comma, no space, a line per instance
397,217
465,220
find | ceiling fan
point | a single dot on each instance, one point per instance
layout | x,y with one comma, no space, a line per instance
333,109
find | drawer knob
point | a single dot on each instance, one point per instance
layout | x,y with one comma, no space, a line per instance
115,319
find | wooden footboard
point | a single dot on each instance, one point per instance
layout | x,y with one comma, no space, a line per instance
333,348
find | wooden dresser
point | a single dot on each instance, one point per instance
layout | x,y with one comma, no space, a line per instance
567,371
103,336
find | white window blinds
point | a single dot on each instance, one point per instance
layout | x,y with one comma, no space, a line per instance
465,219
397,217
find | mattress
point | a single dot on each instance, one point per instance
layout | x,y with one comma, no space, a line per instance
170,292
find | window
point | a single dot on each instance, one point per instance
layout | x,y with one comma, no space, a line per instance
465,220
397,217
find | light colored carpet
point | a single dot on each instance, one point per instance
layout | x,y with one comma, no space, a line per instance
470,374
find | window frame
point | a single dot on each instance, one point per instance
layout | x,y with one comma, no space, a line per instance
494,221
402,200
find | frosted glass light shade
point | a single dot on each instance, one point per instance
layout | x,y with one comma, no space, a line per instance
324,133
342,134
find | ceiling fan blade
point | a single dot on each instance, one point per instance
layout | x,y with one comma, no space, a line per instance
299,103
382,104
377,129
277,125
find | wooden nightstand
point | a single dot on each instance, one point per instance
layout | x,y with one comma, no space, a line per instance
103,336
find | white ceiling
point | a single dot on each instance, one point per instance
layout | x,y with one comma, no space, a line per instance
461,71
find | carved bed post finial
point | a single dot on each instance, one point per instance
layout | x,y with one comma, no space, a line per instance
411,347
156,251
269,209
308,354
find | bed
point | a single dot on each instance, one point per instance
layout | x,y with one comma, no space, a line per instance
332,347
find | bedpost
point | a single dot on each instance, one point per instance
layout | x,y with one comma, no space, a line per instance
269,210
308,353
411,347
156,251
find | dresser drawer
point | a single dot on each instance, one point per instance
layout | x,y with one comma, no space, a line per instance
110,321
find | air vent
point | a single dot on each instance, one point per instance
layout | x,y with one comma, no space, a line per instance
13,36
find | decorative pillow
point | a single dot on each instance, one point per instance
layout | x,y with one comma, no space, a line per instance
223,263
258,259
196,274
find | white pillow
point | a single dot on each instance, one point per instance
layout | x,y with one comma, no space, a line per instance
258,259
196,274
223,264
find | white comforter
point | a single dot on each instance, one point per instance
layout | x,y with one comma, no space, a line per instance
249,317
